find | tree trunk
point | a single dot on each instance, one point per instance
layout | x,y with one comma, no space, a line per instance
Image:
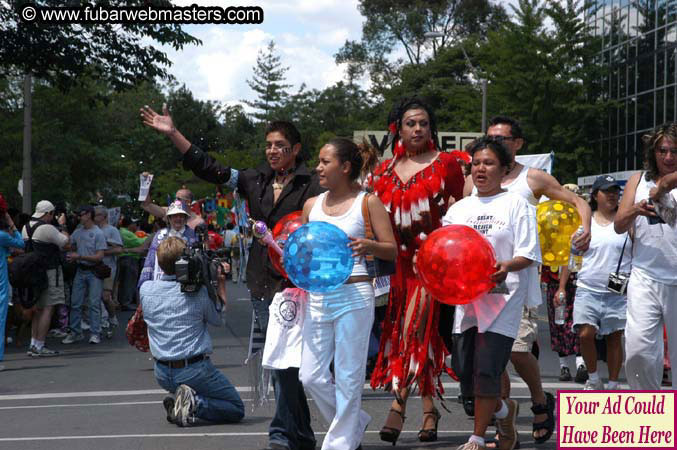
27,203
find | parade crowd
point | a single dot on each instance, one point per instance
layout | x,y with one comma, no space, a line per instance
617,305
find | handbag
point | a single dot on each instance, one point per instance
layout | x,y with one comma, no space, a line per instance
618,281
376,267
137,331
101,270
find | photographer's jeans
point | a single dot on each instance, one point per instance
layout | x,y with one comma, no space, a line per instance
217,399
290,426
86,283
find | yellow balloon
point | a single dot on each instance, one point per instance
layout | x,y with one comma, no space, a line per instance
555,228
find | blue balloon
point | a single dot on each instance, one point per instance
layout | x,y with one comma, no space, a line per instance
317,257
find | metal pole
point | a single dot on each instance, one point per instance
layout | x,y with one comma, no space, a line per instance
484,105
26,204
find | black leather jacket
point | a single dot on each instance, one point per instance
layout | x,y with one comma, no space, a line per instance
255,185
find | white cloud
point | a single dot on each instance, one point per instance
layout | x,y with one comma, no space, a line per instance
307,34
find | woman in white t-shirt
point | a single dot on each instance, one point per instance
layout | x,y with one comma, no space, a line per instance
652,289
338,323
596,309
485,329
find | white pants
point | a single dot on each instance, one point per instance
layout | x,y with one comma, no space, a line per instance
651,304
346,341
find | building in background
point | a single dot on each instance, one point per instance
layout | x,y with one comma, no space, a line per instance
637,42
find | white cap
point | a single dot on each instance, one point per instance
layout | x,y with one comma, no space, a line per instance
43,207
176,207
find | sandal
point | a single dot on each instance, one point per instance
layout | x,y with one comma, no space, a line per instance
549,423
492,443
390,434
430,434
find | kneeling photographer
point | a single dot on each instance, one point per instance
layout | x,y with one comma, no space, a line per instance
180,343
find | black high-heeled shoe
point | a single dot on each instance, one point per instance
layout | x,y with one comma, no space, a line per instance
430,434
390,434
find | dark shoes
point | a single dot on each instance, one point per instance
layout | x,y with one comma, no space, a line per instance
430,434
168,403
564,374
581,374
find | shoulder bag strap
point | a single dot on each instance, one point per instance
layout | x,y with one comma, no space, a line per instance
368,232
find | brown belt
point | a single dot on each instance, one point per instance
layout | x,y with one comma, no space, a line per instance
181,363
358,279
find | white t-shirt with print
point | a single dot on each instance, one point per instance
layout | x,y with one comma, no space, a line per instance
602,257
509,224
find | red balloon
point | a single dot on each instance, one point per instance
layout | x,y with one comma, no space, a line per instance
281,231
454,264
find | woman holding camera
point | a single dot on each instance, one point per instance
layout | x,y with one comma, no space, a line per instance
652,288
338,323
597,310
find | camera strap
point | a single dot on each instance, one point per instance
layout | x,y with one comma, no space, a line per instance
620,259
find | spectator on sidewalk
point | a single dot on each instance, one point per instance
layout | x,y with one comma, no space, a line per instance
9,237
48,241
90,243
128,263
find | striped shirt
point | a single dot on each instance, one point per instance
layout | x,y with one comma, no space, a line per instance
177,321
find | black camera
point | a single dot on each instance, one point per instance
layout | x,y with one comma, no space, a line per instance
654,220
198,266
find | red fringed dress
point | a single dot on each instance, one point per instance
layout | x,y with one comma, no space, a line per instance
411,348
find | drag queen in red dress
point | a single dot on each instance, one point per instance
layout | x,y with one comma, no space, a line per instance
416,186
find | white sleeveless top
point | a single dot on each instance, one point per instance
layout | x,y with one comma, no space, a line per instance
602,257
351,222
655,246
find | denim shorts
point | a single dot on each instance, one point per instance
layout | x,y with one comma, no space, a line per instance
606,311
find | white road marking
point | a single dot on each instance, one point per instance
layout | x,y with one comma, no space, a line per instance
452,385
192,435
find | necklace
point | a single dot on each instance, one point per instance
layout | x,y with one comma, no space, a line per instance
286,175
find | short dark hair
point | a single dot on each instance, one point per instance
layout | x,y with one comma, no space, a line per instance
287,129
125,221
230,226
406,104
347,150
290,133
515,128
651,142
168,252
489,143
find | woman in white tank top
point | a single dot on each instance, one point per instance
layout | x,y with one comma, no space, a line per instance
338,323
652,289
598,311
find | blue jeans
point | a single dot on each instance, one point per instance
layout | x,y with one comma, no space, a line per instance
290,426
85,282
216,398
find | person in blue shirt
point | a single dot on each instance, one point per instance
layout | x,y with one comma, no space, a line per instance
9,237
180,343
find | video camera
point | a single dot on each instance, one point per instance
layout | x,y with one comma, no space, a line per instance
198,266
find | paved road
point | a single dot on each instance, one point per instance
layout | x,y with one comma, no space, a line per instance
104,397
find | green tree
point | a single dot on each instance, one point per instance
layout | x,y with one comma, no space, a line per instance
268,83
62,53
543,76
402,24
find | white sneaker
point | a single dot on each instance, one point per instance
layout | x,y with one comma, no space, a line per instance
113,321
94,339
185,406
72,337
592,386
85,325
